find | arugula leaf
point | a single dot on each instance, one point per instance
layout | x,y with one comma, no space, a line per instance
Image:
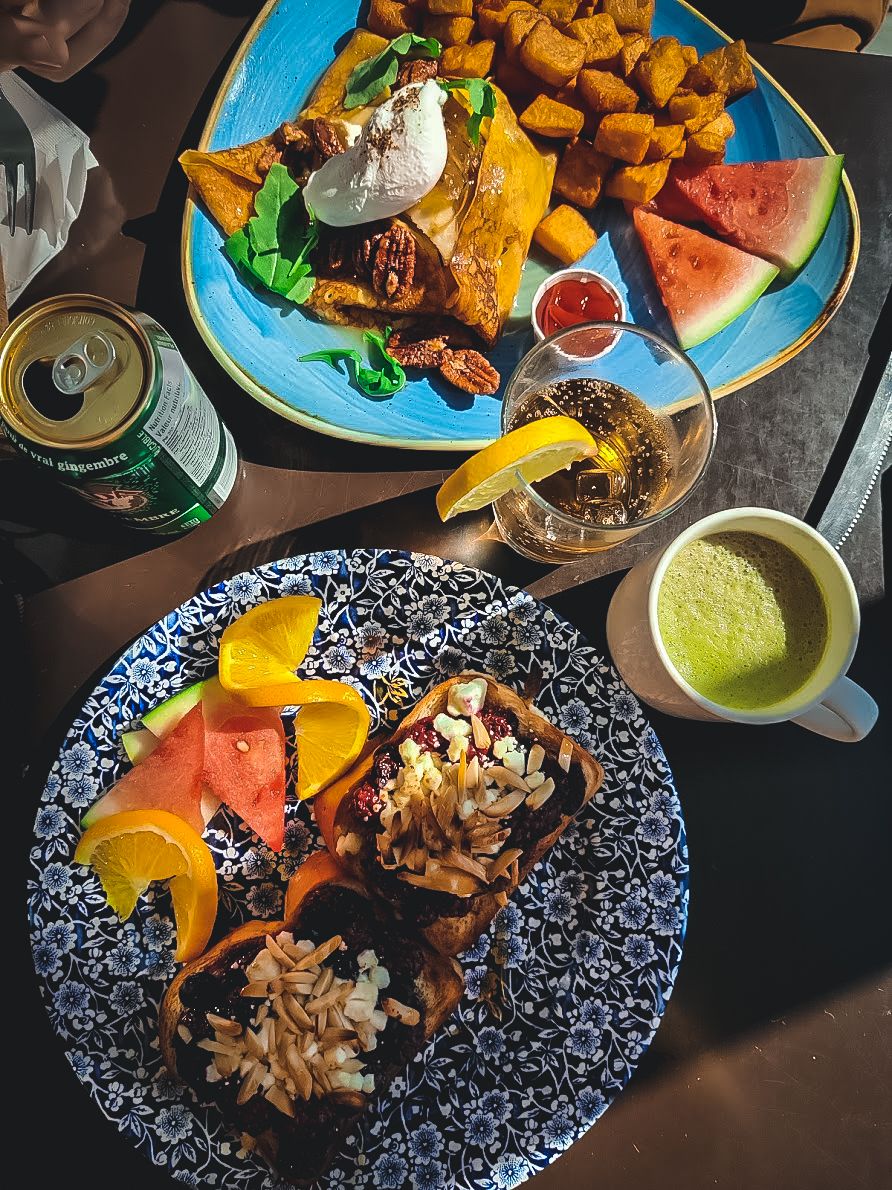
481,99
369,78
382,381
272,249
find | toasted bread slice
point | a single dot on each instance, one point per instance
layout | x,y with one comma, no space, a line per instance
300,1103
451,911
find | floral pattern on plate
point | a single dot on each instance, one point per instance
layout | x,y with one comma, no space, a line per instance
586,953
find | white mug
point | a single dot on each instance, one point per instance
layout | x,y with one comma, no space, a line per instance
829,703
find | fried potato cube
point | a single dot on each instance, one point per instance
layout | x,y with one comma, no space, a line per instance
684,105
689,53
634,45
451,8
726,69
704,148
638,183
565,234
517,83
599,37
580,175
448,30
518,25
604,92
631,16
548,117
722,126
492,19
709,108
468,61
665,140
559,12
625,136
660,71
551,55
390,18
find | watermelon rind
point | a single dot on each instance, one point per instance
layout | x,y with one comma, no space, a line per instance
139,744
800,250
723,310
789,243
163,718
744,277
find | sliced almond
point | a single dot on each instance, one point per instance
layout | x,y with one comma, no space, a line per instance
223,1024
320,954
185,1034
300,979
255,991
504,778
277,1097
281,957
250,1082
457,859
502,862
401,1012
296,1011
214,1047
541,795
339,1036
317,1005
535,758
565,755
352,1099
254,1044
508,804
324,982
482,738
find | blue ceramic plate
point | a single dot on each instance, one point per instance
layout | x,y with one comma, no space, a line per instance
589,947
258,341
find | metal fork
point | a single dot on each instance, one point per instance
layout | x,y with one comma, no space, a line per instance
17,149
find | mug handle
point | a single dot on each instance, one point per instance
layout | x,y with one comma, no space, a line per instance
845,713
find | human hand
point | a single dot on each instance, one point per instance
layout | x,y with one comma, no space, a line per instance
55,38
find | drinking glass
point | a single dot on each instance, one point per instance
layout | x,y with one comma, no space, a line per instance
661,376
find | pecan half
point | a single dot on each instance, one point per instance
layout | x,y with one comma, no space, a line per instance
393,263
327,138
289,134
418,71
422,353
468,370
269,156
364,252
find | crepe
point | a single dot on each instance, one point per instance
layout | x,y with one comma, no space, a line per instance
472,231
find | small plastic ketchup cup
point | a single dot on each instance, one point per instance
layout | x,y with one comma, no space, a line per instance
574,296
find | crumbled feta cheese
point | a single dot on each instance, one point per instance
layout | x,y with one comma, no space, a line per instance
449,728
506,744
409,751
515,762
457,745
380,977
366,959
466,698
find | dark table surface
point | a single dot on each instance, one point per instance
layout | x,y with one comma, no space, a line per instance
772,1066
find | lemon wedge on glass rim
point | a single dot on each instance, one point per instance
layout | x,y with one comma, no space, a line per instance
528,453
130,850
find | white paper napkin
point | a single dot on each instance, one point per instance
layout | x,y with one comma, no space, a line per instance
63,158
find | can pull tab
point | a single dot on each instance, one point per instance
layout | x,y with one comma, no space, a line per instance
83,363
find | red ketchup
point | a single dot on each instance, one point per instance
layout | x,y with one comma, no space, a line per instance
574,300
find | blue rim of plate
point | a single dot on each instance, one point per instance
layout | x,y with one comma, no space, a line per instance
322,424
589,948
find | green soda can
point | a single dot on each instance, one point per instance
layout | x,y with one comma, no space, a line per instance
100,397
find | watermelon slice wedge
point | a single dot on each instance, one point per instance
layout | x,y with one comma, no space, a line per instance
171,778
704,283
244,766
778,210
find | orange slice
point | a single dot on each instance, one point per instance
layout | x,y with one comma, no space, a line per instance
331,729
261,650
130,850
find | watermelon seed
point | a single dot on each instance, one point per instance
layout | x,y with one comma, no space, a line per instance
243,746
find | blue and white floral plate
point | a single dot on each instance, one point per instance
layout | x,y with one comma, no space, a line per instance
589,947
